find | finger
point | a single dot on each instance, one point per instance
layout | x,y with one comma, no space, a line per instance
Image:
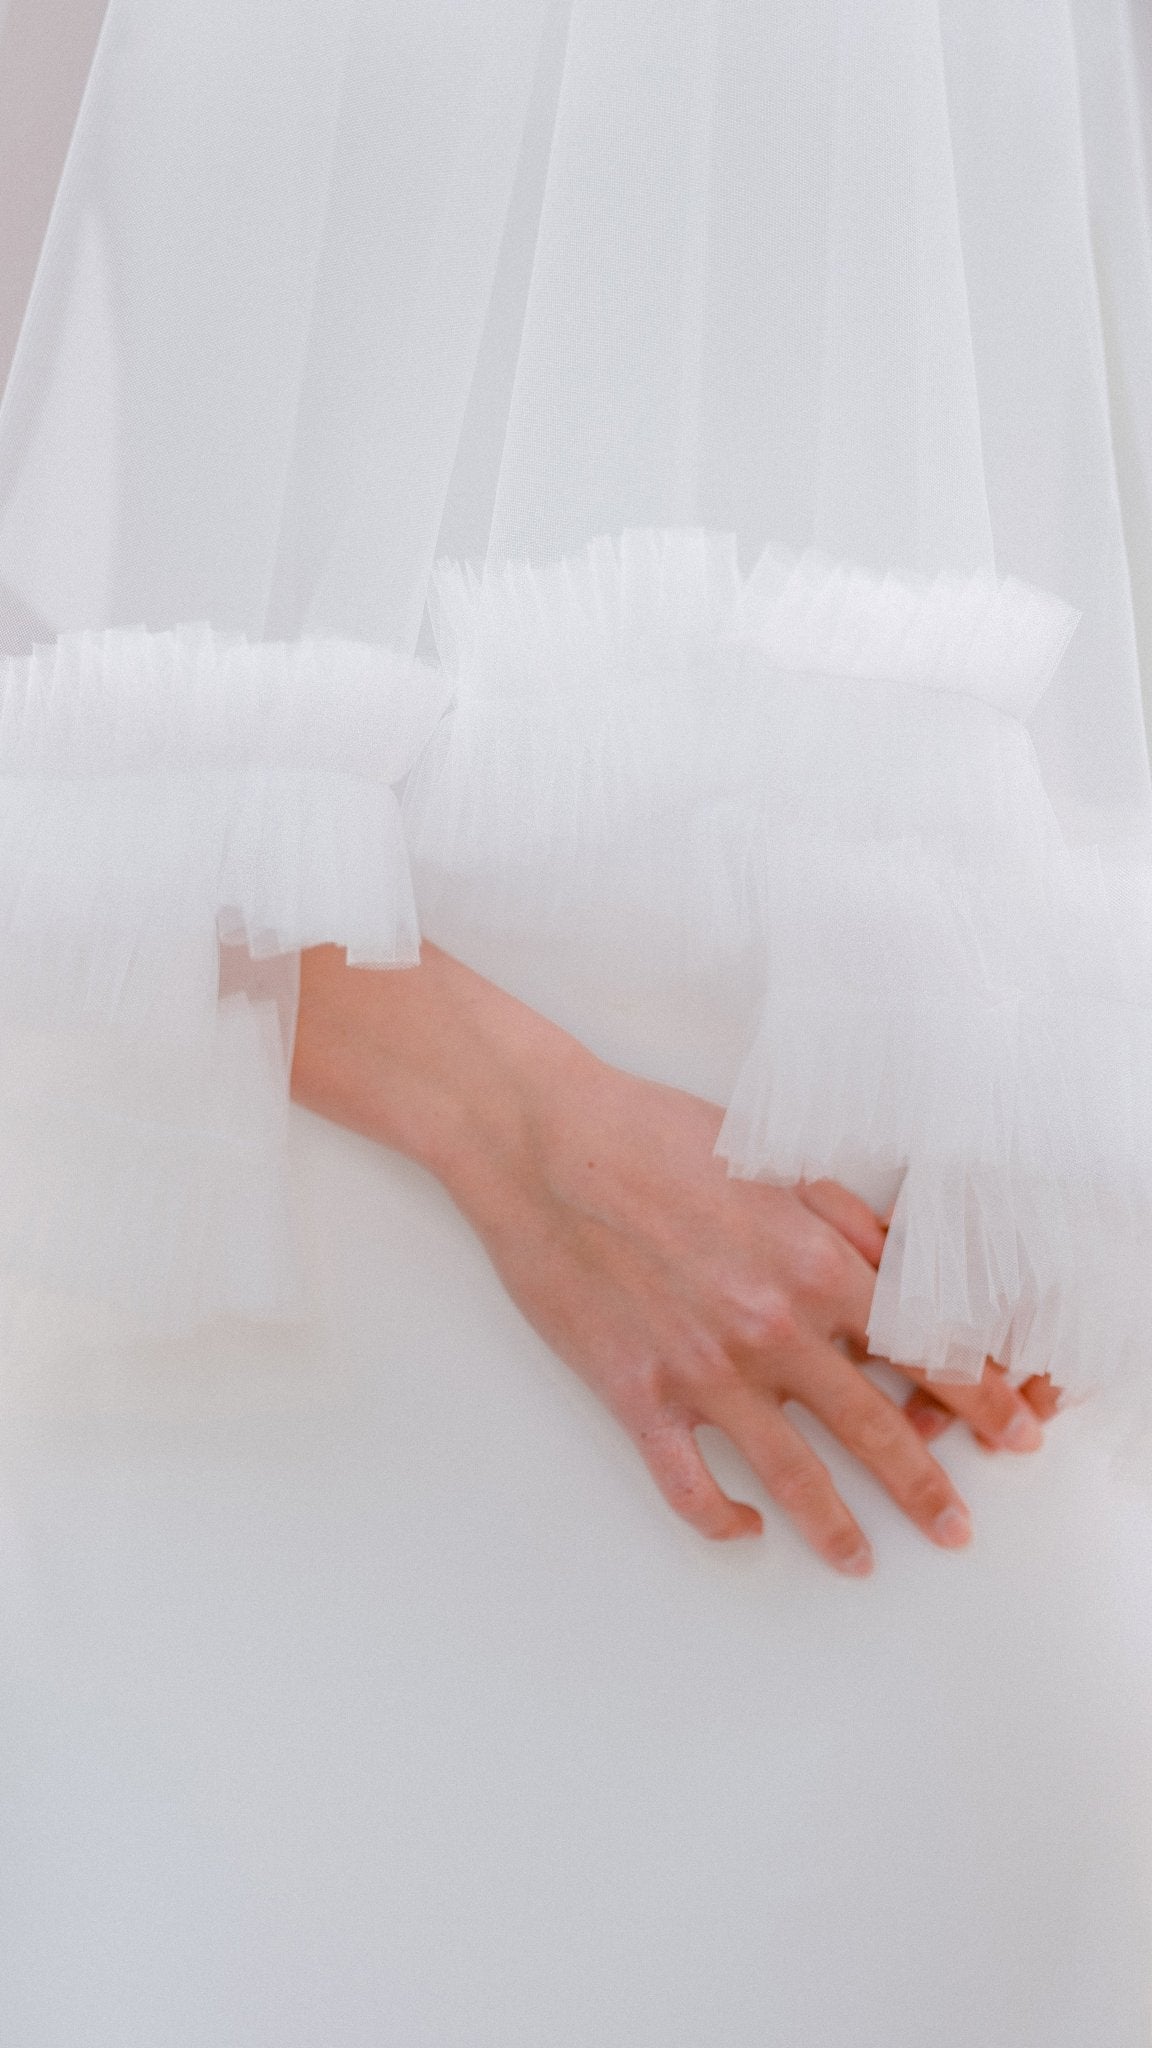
832,1280
928,1416
834,1283
877,1431
796,1480
995,1411
847,1214
674,1459
1042,1396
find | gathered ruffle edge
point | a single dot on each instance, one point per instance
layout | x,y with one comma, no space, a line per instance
806,780
665,601
823,782
162,795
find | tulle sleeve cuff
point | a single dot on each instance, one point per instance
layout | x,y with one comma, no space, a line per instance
808,782
163,793
957,1018
822,784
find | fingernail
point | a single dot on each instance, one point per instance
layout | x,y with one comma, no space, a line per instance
1023,1432
859,1565
952,1528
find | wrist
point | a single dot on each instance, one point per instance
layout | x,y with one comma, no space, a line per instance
435,1062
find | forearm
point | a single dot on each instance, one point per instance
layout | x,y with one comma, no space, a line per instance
678,1294
432,1060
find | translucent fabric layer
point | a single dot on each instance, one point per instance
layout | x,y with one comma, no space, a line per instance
821,785
174,807
567,291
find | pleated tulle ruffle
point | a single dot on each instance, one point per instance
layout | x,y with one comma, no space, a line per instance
807,789
161,793
823,783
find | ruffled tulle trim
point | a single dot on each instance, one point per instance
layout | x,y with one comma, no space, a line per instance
161,793
822,783
667,602
806,789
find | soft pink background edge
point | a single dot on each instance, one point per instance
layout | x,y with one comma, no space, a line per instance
45,51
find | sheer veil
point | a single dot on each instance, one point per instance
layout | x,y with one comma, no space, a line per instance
783,373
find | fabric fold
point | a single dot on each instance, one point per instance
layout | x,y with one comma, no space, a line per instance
164,796
808,791
820,784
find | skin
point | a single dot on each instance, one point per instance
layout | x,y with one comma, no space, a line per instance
680,1295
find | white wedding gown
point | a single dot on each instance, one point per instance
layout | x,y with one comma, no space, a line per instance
380,1701
356,1688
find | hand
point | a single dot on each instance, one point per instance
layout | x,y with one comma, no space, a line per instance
999,1416
933,1406
680,1295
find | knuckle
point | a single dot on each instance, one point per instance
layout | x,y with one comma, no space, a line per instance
648,1392
878,1438
689,1491
772,1326
928,1496
684,1490
713,1518
713,1374
818,1265
799,1488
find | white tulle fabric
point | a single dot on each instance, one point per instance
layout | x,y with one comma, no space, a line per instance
333,289
822,784
162,794
356,1687
808,780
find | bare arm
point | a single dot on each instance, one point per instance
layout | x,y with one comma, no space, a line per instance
680,1295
